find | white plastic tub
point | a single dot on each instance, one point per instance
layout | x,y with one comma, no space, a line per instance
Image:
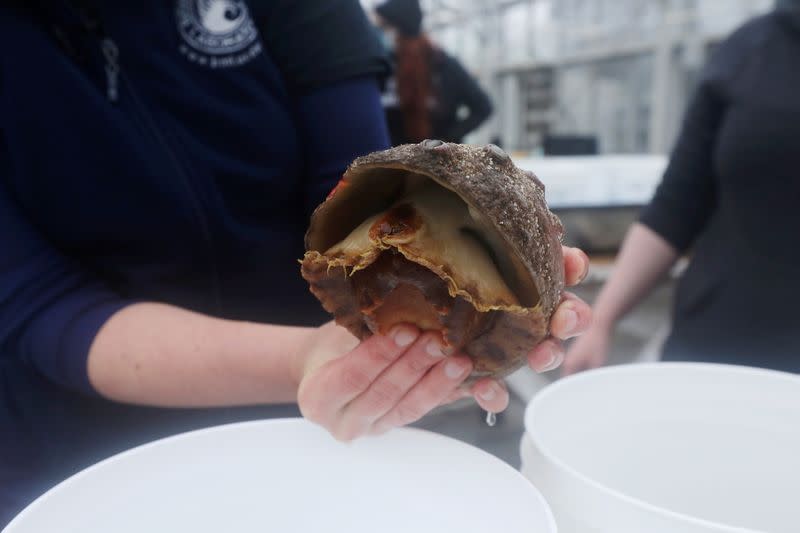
668,447
291,476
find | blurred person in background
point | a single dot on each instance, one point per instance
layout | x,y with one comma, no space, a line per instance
431,95
159,164
729,198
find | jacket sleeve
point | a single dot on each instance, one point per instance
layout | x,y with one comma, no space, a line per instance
319,42
686,196
50,310
465,92
337,124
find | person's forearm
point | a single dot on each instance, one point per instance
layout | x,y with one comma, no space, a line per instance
642,261
160,355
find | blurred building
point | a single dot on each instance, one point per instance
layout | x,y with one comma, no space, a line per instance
616,73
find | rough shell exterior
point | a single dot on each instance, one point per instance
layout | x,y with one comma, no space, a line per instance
512,199
509,199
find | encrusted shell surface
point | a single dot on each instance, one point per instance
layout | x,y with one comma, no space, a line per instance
507,202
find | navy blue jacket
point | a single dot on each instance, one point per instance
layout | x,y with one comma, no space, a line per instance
159,151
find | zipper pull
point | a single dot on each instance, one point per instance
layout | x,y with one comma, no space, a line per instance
111,54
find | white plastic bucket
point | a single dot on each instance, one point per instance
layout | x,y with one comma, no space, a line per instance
291,476
668,447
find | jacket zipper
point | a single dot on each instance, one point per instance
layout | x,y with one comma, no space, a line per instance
111,55
115,75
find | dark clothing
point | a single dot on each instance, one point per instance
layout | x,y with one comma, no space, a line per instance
731,192
186,178
455,88
405,15
455,91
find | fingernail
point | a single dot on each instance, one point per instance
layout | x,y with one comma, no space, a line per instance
488,394
570,320
454,369
585,267
403,336
435,349
556,356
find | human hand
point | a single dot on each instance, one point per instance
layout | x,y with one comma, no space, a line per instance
571,318
394,380
382,382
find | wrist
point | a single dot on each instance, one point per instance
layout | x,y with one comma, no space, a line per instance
265,358
602,324
298,355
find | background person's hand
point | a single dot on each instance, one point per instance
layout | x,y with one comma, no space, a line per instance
587,352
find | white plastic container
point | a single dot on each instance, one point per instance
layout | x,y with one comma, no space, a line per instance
668,447
290,476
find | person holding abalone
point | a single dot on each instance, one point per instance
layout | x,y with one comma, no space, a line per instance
160,164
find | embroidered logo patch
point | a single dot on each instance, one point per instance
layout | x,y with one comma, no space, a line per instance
217,33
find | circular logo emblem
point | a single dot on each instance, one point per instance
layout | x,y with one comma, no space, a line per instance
217,33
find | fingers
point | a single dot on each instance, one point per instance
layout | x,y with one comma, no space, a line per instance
491,395
548,355
341,380
393,380
433,389
572,317
576,265
389,390
459,394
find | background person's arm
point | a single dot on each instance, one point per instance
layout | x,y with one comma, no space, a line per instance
642,261
684,202
645,257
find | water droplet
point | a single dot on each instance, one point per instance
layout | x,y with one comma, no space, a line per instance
491,419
